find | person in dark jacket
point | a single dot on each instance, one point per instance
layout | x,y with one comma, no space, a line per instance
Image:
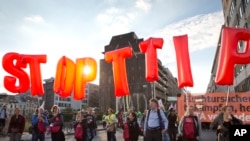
133,127
56,124
16,126
223,122
82,120
40,116
91,124
172,128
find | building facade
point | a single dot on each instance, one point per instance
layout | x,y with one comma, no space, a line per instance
236,14
140,90
92,96
25,102
50,98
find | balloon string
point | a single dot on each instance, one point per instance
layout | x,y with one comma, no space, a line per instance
186,94
227,95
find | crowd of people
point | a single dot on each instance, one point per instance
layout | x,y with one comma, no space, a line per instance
155,124
158,125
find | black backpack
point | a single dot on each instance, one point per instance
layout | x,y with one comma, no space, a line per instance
160,119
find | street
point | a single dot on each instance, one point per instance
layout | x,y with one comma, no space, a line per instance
101,136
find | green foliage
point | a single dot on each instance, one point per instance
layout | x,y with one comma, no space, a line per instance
68,114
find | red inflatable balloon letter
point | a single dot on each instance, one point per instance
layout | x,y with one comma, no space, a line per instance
229,54
86,69
117,57
183,61
65,76
35,72
149,48
17,71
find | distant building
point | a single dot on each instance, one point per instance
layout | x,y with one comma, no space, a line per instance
92,96
25,102
236,14
140,90
50,98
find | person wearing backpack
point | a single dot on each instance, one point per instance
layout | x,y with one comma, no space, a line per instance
190,126
39,123
56,124
156,122
81,127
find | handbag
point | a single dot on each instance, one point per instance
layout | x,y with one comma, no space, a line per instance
126,131
111,128
55,129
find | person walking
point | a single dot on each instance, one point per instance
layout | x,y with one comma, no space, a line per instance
190,126
111,129
156,122
56,124
3,118
142,122
223,122
91,124
16,126
132,130
172,128
39,122
80,119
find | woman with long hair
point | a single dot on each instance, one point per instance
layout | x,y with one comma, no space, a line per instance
56,124
223,122
132,128
80,120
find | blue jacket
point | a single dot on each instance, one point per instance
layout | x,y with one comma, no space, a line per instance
35,120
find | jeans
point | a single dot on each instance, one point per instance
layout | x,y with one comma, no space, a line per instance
172,134
36,137
165,137
90,133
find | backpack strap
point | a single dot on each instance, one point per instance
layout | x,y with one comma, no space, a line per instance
148,116
197,125
160,118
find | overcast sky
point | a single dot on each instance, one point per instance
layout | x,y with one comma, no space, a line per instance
81,28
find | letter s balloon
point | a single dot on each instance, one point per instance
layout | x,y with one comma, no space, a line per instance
17,73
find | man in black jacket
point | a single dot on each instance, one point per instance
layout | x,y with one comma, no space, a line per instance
172,128
91,124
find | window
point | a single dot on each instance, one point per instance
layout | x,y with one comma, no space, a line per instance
237,20
241,11
228,20
246,2
246,25
232,9
241,46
